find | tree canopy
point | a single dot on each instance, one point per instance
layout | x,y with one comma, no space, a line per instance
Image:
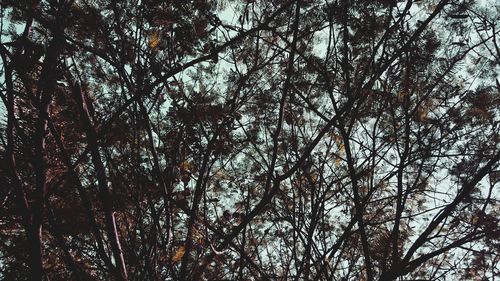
249,140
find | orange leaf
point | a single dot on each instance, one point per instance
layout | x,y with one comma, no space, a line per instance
154,41
178,254
185,166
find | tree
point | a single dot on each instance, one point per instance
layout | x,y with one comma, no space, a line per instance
249,140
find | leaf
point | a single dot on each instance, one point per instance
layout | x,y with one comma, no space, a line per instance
422,113
154,41
198,235
185,166
341,147
402,95
338,161
314,178
178,254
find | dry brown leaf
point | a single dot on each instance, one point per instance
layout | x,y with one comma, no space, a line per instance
178,254
154,41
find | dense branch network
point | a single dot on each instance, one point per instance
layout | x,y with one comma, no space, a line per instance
249,140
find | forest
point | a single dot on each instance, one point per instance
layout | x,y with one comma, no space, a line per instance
249,140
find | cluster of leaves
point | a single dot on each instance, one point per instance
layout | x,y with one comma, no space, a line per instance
249,140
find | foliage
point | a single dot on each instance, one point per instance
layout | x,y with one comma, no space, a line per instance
249,140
